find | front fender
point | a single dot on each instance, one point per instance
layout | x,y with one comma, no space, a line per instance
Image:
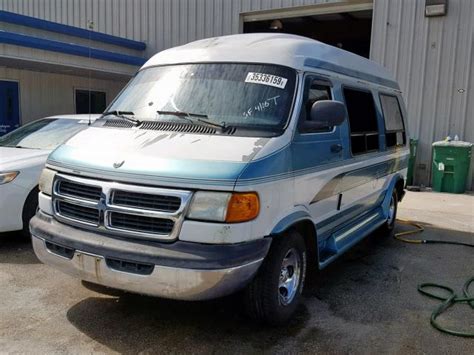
295,216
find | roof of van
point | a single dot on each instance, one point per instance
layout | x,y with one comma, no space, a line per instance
297,52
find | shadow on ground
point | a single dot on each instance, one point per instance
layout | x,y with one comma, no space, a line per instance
16,249
367,297
362,289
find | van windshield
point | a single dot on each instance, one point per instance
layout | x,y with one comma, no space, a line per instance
253,96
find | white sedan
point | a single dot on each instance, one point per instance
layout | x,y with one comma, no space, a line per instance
23,154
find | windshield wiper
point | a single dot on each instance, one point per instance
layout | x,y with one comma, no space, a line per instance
190,117
122,114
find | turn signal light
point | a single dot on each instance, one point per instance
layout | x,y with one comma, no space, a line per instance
242,207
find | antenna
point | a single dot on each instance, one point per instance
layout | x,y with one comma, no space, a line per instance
90,26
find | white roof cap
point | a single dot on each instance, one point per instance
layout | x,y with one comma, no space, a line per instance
296,52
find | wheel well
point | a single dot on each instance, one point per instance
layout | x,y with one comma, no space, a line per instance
308,232
399,186
32,198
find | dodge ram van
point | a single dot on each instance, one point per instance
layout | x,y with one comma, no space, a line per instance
228,164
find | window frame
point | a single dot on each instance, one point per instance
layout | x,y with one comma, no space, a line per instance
76,89
370,92
324,82
403,130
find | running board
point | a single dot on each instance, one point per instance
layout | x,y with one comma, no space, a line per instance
342,239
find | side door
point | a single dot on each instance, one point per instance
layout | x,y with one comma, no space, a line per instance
316,154
359,185
9,106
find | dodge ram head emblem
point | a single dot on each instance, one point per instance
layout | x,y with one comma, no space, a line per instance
118,164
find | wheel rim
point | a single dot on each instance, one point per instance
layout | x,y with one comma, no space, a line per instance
290,274
391,211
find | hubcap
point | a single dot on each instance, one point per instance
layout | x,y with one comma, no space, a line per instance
290,274
391,211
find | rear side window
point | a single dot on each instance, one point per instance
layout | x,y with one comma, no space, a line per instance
362,121
394,128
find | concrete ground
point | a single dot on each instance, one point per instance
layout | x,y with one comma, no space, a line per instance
366,302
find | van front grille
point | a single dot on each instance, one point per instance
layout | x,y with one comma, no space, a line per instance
73,189
142,224
146,201
77,212
115,208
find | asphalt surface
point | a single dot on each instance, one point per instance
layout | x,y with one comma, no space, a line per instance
366,302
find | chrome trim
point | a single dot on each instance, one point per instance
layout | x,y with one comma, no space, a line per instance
165,281
105,207
359,225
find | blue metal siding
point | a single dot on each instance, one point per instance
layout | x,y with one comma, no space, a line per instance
67,48
33,22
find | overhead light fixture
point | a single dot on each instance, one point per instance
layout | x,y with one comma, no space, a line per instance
436,8
276,25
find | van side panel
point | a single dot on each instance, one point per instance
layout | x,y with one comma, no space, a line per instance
345,196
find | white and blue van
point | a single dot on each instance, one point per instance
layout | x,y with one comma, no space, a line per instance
228,164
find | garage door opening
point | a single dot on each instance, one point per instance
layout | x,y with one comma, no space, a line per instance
347,30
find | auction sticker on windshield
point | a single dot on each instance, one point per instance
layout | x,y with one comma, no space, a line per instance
266,79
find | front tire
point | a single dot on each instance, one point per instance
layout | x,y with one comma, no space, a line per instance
274,294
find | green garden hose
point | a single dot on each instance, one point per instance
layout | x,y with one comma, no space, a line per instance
452,298
448,301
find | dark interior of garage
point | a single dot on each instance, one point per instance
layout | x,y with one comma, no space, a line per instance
348,30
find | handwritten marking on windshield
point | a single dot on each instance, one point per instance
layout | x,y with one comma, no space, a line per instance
262,106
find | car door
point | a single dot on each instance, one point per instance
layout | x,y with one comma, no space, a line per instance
317,154
359,185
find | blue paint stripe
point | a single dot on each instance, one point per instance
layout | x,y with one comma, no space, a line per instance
198,170
68,48
107,173
317,63
33,22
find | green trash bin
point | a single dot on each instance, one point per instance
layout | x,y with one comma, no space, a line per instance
411,161
451,162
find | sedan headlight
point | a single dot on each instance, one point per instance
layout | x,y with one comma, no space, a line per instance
224,206
5,178
46,181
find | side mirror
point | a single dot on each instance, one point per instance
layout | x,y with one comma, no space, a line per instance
324,114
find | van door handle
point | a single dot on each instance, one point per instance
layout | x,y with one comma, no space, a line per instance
336,148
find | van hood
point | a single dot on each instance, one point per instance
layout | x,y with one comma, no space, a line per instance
158,155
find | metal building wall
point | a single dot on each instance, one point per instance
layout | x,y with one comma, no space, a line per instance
159,23
45,94
431,57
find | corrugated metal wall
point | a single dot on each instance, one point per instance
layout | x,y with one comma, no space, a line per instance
159,23
431,57
45,94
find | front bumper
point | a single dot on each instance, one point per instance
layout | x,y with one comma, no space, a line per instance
181,270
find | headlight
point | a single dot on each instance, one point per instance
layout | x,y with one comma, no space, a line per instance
224,206
7,177
46,181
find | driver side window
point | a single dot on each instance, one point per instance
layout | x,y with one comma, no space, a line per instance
315,90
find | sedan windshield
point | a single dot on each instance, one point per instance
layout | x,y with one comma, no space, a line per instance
254,96
46,133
